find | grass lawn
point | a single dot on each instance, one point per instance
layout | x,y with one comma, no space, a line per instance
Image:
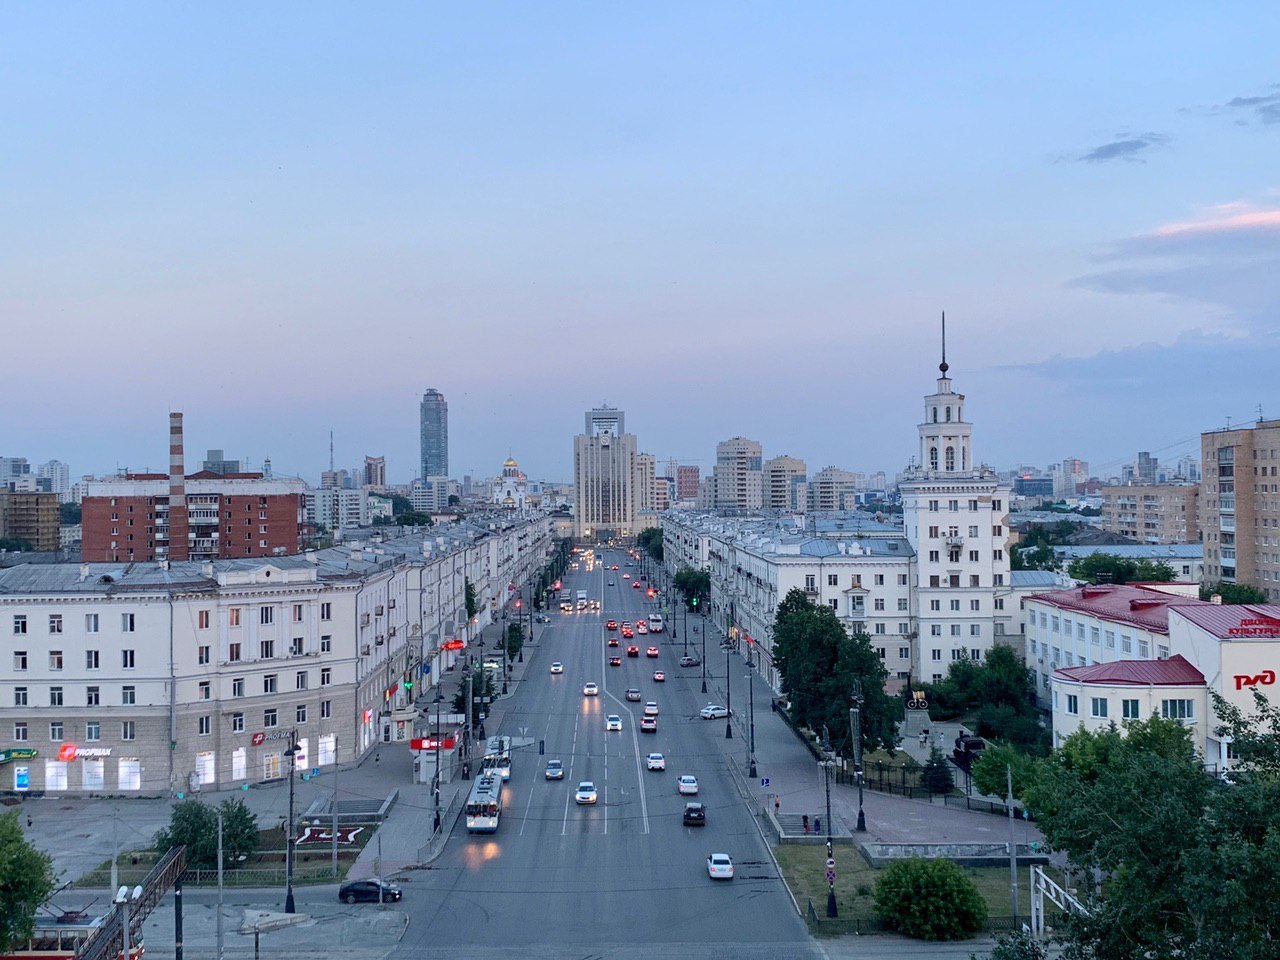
804,868
312,863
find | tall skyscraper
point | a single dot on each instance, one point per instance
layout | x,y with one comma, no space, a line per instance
604,472
375,472
956,519
738,474
434,414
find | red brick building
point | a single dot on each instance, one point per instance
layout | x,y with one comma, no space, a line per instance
224,516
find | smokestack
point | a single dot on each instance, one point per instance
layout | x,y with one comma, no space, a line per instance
178,526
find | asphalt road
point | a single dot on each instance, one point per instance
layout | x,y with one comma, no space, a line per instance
624,877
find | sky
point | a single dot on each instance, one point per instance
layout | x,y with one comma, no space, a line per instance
724,218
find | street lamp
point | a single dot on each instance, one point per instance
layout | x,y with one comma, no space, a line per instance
728,696
704,652
826,780
855,727
751,698
436,788
292,754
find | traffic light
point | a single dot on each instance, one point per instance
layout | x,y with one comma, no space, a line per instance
694,601
519,603
408,686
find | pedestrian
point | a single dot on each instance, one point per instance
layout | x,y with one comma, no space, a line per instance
28,821
805,820
777,806
377,759
817,824
924,737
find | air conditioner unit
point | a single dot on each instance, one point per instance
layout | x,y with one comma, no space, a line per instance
380,640
377,611
392,603
365,650
364,619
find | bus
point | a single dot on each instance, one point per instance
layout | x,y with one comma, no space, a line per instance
582,599
655,623
497,758
484,805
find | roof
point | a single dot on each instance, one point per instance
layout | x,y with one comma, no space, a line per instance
1234,621
1138,551
1121,603
1174,672
1023,579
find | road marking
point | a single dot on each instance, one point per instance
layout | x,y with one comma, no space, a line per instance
526,812
572,753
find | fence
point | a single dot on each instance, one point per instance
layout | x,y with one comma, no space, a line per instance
823,926
448,816
258,876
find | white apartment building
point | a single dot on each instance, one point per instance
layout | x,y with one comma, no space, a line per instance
785,485
738,474
833,489
154,678
335,508
956,518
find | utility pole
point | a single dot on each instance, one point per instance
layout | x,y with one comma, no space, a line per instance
334,828
220,941
826,782
1013,844
728,695
855,731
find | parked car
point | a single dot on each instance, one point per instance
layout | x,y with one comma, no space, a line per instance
367,891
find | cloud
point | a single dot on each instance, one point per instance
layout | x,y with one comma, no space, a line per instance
1126,147
1263,107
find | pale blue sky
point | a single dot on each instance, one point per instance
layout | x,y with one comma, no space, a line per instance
725,218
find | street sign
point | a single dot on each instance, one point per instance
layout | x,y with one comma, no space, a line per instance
764,781
831,876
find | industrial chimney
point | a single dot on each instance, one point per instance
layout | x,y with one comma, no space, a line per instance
178,526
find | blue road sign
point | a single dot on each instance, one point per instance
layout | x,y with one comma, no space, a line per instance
764,781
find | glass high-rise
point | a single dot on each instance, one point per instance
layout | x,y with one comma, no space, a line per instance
435,434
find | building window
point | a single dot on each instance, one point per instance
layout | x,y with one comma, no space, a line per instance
1129,709
879,581
326,643
128,695
833,579
205,726
19,659
1144,649
997,580
266,615
300,713
55,731
92,696
957,655
20,732
233,652
1073,704
935,605
975,605
19,696
91,660
19,625
935,629
904,653
237,723
326,611
1177,709
295,647
902,604
92,731
90,623
55,659
934,556
955,629
1098,707
326,709
127,623
127,730
810,582
902,579
878,603
835,604
266,648
206,690
880,628
1162,652
202,620
297,609
936,655
55,623
954,605
202,655
233,617
975,629
126,659
269,718
933,504
300,680
269,683
237,687
326,676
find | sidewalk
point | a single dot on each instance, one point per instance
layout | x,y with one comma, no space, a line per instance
796,781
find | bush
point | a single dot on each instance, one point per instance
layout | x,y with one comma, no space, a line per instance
195,825
929,900
936,775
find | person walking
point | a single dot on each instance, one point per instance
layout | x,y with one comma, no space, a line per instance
777,805
805,821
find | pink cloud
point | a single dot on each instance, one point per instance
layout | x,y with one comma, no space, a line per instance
1222,219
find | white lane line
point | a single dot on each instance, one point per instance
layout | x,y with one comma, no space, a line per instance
573,751
526,812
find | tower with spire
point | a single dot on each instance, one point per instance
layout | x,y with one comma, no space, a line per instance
956,515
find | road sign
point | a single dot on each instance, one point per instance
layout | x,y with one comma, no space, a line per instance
764,781
831,876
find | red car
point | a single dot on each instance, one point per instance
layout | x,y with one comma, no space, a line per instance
611,625
627,632
633,651
635,584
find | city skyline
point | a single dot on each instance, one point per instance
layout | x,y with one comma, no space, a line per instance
785,218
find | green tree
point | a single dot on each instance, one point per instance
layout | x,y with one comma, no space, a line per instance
1001,690
469,592
1233,593
240,836
26,883
454,500
16,544
1017,946
650,541
195,825
69,513
1254,738
515,640
929,900
693,584
414,519
1109,568
482,685
936,776
400,505
989,770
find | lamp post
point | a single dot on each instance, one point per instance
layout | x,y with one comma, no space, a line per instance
292,754
685,614
728,696
855,728
826,781
436,788
751,698
704,653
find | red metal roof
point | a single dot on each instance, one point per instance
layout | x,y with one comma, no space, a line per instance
1123,603
1234,621
1174,672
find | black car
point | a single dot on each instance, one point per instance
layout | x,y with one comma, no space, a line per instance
367,891
695,815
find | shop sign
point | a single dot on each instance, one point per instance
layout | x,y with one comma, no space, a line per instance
1266,678
260,738
429,743
70,751
1258,627
17,753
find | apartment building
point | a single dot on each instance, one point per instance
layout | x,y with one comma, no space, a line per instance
32,517
833,489
1153,513
785,484
1240,506
160,677
738,474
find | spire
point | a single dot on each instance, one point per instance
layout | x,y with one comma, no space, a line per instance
943,365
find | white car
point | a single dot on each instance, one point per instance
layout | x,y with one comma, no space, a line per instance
713,711
651,709
557,667
656,761
590,690
613,722
586,792
687,786
719,867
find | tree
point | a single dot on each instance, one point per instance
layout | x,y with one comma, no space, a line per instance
989,770
1255,739
650,541
515,640
1233,593
469,592
69,513
16,544
400,505
936,775
693,584
1002,692
455,500
195,825
414,519
929,900
1109,568
240,836
1017,946
482,686
26,883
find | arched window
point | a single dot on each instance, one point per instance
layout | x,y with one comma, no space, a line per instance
951,458
933,458
935,414
948,414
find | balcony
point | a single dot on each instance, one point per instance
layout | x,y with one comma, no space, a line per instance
955,540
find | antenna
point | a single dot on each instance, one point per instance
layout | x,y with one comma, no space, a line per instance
1259,413
331,451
